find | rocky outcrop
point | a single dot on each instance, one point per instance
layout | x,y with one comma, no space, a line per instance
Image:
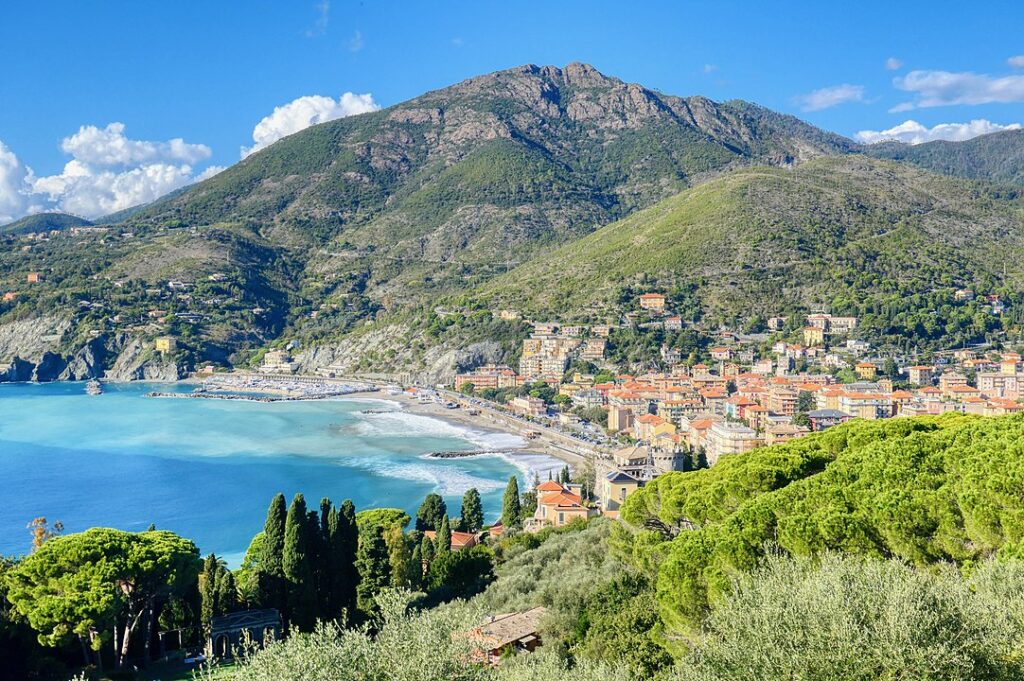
35,350
137,362
392,350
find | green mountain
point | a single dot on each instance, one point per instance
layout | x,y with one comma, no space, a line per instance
861,235
998,157
43,222
465,181
383,241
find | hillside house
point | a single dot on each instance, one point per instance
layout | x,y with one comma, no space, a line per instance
612,489
557,505
502,635
655,302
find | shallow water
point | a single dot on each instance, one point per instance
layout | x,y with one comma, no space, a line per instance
207,469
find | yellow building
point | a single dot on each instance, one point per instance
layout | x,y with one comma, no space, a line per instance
813,336
866,370
613,489
166,344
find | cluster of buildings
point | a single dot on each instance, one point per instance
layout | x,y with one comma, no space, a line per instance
749,395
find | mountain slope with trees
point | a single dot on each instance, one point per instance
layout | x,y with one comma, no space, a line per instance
997,157
856,234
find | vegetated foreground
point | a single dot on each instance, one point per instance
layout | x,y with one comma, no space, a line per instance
874,550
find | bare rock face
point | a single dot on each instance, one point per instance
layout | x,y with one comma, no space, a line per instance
136,362
389,351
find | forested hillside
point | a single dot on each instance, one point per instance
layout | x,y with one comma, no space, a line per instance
998,157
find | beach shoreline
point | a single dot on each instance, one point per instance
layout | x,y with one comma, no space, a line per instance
463,419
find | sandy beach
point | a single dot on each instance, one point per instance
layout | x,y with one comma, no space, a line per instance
484,420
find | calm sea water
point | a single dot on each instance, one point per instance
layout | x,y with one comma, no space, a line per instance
207,469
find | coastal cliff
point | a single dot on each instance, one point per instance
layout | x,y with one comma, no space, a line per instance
38,350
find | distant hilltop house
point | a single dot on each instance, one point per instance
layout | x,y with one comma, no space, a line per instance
652,301
10,296
33,277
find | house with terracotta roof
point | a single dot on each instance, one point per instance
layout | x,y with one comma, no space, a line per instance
920,374
557,505
460,540
648,426
652,301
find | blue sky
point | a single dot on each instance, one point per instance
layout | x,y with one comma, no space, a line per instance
208,73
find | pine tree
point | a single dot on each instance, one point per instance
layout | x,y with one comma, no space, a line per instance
374,568
472,512
227,592
208,590
430,513
270,585
298,573
511,507
443,539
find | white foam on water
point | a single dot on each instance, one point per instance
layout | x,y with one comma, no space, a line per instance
445,479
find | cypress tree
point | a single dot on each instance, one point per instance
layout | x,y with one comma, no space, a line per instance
511,507
430,513
208,590
373,566
315,554
427,553
416,569
443,539
270,591
472,511
227,592
298,572
346,545
399,557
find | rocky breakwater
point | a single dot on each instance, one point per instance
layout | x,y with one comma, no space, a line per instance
40,350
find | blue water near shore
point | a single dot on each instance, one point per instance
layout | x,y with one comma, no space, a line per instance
207,469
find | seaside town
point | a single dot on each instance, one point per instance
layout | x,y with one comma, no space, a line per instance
755,389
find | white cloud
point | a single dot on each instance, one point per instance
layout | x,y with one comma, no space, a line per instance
893,64
355,44
323,16
110,147
710,68
1016,62
14,185
945,88
912,132
107,172
303,112
831,96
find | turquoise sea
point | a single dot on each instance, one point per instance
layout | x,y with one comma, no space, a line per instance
207,469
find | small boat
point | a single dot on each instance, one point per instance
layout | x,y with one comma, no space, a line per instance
94,387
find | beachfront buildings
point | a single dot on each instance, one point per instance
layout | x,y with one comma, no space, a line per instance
496,376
